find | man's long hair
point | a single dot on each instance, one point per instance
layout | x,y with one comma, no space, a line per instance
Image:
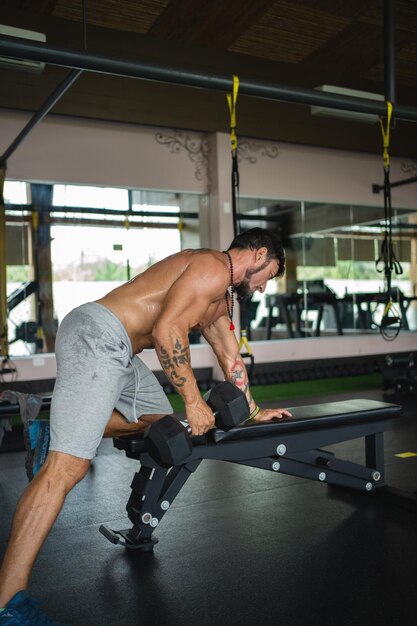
256,238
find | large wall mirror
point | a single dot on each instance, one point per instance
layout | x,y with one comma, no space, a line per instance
68,244
333,285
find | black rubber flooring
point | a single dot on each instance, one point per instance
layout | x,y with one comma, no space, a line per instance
239,546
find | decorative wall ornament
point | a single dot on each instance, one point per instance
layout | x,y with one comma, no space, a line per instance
247,149
409,167
197,148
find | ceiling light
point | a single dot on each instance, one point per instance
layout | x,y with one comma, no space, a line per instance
21,64
343,113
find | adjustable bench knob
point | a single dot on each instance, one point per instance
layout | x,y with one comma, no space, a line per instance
323,461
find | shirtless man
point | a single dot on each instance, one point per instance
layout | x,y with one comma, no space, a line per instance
103,389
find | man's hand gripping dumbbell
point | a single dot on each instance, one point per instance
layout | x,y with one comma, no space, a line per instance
169,441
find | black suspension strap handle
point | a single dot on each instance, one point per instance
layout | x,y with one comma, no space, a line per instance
232,100
387,262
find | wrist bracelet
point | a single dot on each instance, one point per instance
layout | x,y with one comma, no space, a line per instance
254,412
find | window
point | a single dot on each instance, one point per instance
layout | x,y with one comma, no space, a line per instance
15,192
99,238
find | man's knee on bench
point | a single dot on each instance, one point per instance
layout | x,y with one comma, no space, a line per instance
118,426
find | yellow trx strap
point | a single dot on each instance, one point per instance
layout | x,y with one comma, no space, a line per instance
126,222
244,343
385,134
387,308
232,99
35,221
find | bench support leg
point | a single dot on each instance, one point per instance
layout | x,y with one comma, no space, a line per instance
374,453
153,491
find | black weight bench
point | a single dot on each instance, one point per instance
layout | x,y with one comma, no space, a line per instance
291,446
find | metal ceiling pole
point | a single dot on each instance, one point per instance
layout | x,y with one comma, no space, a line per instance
20,48
40,114
122,214
389,50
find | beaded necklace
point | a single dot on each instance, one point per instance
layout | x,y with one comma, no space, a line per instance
230,297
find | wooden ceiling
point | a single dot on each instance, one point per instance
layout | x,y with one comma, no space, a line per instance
304,43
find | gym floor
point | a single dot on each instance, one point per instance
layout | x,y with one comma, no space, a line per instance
240,546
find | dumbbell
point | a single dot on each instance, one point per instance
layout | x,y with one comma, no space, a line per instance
169,440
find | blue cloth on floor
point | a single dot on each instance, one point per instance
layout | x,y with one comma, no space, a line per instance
24,610
36,432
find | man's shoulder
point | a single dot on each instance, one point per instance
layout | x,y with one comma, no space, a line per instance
207,258
206,253
194,251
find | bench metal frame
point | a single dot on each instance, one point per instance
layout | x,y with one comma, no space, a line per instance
294,452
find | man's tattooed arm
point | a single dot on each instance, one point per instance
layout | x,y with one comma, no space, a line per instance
238,376
176,363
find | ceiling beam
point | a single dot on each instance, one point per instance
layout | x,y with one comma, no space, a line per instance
82,60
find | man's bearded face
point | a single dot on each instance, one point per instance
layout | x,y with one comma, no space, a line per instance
244,291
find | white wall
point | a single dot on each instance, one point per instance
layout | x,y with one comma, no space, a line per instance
74,150
323,175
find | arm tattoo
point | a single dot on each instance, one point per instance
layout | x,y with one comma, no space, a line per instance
172,363
239,376
181,355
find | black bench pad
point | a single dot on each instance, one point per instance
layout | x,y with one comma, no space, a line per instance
314,416
309,417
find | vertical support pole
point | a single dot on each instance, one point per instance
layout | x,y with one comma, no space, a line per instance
220,209
220,218
42,203
412,219
4,344
389,49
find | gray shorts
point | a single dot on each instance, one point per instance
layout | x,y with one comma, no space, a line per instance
97,373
